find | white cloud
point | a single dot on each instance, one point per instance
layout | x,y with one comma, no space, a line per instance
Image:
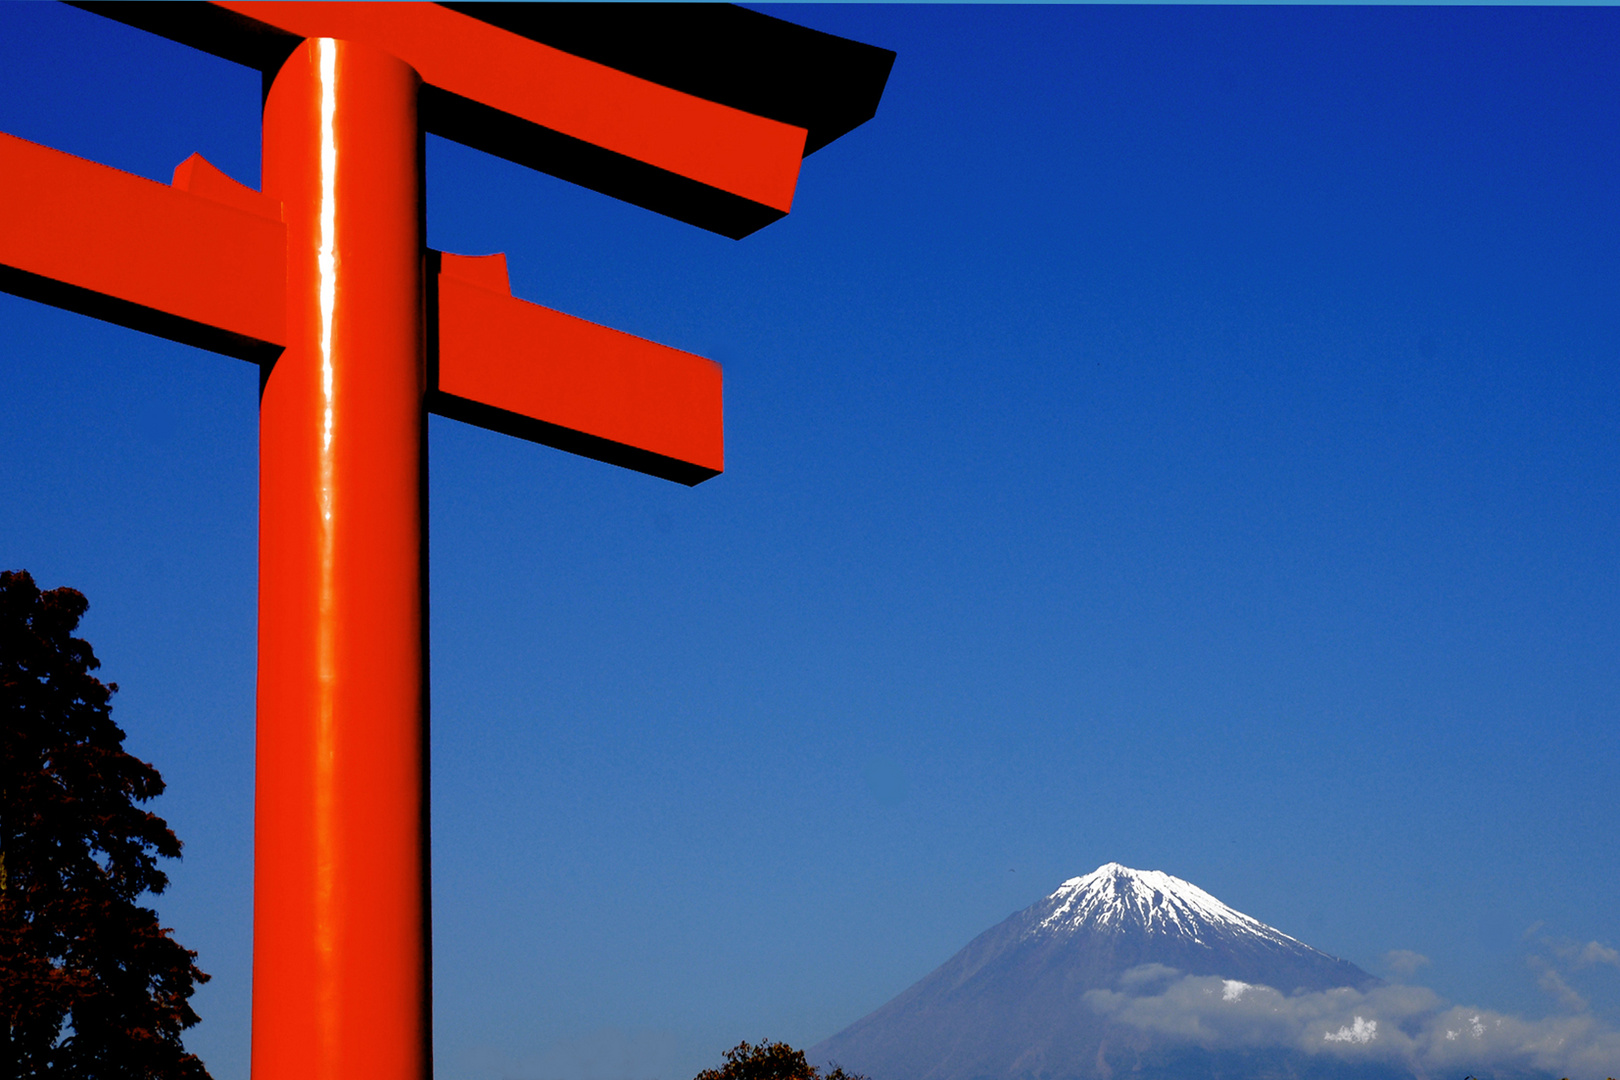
1555,984
1362,1031
1396,1025
1559,960
1594,953
1145,977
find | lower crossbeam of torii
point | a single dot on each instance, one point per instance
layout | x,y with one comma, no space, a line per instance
322,278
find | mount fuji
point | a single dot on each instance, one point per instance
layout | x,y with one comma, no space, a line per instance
1021,1001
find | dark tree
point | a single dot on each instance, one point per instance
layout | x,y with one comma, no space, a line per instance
771,1061
91,987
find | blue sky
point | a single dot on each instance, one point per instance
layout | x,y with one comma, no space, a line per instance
1182,436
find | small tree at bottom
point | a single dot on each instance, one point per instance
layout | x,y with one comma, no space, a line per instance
771,1061
91,987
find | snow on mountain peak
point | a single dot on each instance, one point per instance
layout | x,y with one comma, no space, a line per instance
1118,897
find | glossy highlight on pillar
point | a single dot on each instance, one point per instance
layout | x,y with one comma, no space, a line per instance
339,930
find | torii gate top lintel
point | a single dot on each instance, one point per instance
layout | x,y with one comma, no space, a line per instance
701,111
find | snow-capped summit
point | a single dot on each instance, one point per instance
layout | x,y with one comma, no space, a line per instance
1016,1004
1117,898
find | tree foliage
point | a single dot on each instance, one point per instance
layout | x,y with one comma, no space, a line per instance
91,987
771,1061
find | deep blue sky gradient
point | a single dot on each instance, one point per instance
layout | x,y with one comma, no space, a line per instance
1182,436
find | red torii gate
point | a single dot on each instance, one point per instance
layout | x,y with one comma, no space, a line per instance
322,278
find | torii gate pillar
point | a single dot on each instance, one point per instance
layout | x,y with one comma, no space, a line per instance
340,927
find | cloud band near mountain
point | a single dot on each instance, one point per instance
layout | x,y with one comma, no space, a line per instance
1402,1026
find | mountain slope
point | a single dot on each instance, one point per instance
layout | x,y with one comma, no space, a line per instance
1011,1004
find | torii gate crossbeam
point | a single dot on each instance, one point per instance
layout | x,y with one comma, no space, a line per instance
322,278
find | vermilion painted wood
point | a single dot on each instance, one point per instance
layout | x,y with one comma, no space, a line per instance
340,941
203,261
507,364
201,269
198,175
725,148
